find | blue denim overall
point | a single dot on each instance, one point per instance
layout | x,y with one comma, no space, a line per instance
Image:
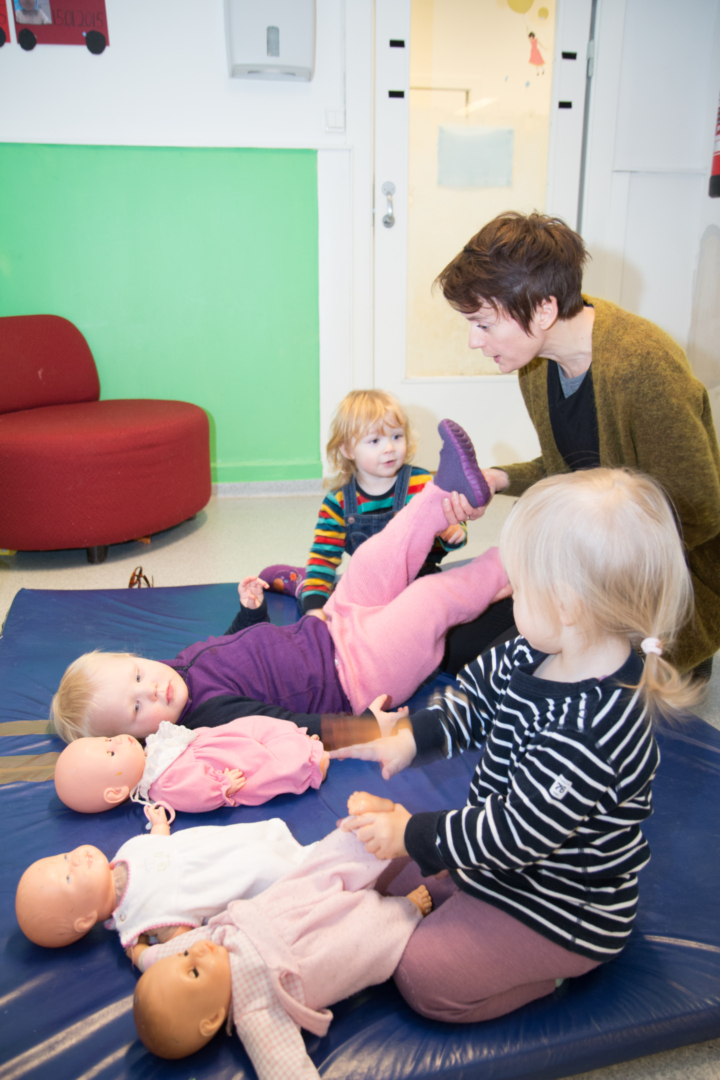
360,527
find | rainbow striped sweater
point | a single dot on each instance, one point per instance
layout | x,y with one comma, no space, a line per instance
330,531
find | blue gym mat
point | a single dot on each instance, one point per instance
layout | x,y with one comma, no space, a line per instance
67,1014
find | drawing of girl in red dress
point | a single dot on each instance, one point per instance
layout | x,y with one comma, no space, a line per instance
535,54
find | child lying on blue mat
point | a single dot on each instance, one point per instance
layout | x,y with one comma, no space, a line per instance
382,632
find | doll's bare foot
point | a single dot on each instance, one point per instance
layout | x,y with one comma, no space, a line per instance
422,899
362,802
324,765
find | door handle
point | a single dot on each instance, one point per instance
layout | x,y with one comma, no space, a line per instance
388,190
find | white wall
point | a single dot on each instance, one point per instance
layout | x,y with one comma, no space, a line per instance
651,127
163,81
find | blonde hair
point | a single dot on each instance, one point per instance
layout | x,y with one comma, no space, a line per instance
357,413
606,540
71,707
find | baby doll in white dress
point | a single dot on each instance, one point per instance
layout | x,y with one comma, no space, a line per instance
157,885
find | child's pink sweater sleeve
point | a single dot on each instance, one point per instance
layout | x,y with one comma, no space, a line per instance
275,757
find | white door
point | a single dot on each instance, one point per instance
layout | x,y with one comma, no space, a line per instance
468,123
392,102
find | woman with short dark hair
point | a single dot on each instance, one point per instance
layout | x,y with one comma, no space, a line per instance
602,387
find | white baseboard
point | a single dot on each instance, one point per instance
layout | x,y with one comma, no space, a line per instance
267,488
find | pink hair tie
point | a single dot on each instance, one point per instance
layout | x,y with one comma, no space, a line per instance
651,645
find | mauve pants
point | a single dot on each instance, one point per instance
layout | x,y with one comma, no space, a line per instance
469,961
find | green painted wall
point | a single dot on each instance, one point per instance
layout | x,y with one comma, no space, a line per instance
193,274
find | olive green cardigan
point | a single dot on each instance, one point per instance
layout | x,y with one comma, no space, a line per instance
653,415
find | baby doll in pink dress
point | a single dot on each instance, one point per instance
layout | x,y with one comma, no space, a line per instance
192,770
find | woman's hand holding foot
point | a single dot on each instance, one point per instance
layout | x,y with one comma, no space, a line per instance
457,507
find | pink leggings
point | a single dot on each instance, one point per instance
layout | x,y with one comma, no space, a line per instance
388,628
468,961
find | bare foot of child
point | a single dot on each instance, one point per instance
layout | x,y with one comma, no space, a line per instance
422,899
324,765
362,802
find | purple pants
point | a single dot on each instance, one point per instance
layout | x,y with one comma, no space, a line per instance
469,961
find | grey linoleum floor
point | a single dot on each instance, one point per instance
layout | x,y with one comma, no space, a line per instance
237,536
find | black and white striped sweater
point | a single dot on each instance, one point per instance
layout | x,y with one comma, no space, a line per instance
551,830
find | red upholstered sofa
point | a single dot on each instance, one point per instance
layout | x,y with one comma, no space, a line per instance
79,472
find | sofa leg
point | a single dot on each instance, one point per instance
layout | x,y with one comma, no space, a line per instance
97,554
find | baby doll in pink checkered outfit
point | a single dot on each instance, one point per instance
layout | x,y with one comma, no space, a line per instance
273,965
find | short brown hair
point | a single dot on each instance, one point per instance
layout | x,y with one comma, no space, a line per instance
515,262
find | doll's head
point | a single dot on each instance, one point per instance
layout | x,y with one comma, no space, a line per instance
181,1001
116,694
360,413
62,897
93,774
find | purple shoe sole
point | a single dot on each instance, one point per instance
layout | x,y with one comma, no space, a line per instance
458,469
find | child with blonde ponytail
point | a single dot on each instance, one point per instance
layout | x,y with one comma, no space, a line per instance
543,858
605,546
